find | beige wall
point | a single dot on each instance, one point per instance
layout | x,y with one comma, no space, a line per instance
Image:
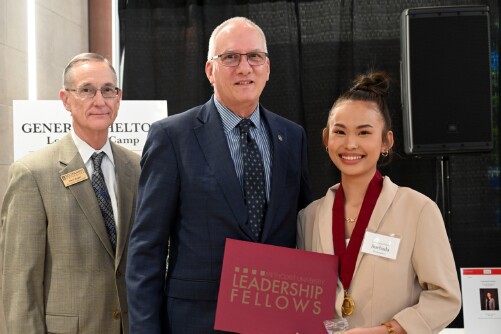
61,33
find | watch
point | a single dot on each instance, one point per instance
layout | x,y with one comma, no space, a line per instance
389,327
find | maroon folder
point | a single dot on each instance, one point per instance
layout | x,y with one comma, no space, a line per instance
269,289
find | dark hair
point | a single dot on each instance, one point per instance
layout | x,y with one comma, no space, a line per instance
370,87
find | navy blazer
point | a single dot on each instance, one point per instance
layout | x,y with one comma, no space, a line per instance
189,201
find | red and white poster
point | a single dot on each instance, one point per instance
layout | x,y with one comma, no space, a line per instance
269,289
481,290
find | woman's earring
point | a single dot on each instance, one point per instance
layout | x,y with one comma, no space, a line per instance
327,149
384,153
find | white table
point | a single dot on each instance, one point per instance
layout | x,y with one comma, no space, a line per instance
452,331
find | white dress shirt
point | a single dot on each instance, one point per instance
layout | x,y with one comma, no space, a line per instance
107,166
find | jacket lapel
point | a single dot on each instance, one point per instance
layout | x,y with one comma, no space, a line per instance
324,221
280,151
382,205
213,143
70,160
125,198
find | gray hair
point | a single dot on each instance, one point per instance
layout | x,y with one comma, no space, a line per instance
217,30
84,57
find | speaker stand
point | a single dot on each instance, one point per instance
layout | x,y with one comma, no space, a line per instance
444,183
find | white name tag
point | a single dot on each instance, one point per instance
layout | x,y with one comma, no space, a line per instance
380,245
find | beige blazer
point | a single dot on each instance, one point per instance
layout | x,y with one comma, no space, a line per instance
420,289
60,274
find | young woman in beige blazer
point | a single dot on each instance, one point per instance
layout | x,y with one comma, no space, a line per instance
411,287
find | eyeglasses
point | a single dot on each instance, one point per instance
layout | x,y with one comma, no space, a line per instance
233,59
88,92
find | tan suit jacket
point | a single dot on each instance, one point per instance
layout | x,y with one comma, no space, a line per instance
60,274
420,289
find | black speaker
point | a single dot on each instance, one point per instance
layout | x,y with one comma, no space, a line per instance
446,80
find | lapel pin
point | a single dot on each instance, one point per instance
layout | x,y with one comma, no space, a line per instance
280,137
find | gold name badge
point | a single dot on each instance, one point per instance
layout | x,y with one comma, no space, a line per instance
76,176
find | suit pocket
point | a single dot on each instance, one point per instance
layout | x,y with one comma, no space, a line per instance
61,324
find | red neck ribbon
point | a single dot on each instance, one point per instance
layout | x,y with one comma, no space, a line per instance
348,257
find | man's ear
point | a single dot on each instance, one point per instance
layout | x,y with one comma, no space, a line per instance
268,64
209,70
64,95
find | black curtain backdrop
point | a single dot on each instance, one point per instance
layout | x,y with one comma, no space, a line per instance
316,49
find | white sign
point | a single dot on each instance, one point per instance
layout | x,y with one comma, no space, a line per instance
481,289
43,122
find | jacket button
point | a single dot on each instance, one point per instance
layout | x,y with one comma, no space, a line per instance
116,315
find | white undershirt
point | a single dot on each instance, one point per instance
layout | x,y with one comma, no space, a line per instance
107,166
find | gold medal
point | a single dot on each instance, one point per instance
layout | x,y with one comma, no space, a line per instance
348,304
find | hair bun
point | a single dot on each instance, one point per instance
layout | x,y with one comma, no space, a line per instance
374,82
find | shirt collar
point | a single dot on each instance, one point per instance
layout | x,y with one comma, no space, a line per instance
86,150
231,120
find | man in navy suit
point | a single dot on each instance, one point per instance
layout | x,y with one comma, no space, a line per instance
191,191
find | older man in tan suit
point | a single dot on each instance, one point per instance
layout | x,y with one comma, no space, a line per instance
66,217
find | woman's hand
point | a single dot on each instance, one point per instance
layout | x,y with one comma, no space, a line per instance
369,330
377,329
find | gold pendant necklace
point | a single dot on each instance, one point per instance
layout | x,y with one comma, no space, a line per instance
348,304
350,220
